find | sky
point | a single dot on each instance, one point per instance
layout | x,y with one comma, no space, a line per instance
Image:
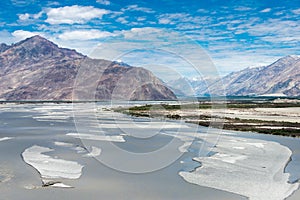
229,35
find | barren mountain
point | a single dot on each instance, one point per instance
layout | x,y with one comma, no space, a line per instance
37,69
281,77
3,47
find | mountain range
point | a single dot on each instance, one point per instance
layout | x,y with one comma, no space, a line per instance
37,69
281,78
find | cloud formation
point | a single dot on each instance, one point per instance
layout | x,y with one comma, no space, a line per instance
21,34
85,35
135,7
103,2
266,10
242,34
27,16
74,14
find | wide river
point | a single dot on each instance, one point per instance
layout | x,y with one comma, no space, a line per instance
86,151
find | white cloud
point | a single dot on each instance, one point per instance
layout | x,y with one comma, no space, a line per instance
103,2
297,11
84,35
141,19
6,37
122,20
276,28
184,21
137,8
242,8
27,16
21,34
266,10
279,13
202,10
263,40
165,21
24,17
74,14
172,18
82,46
38,15
149,33
155,47
22,3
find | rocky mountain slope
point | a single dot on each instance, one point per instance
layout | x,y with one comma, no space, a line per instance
280,78
3,47
37,69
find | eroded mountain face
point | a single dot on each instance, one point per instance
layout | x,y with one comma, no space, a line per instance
281,77
37,69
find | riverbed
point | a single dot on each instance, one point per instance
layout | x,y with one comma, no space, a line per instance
62,151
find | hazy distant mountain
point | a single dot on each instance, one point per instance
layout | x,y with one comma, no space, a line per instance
191,87
281,77
181,87
37,69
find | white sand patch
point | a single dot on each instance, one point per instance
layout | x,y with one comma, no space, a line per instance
185,146
79,149
46,107
249,124
73,147
228,133
109,138
56,116
51,118
239,148
228,158
31,187
94,152
273,95
51,168
61,185
48,184
258,145
5,138
255,169
277,127
264,117
63,144
131,125
290,111
290,114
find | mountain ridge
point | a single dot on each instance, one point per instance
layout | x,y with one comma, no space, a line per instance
38,69
281,77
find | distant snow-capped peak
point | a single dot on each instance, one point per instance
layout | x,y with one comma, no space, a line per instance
295,56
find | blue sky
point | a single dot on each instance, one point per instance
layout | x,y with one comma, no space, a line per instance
235,34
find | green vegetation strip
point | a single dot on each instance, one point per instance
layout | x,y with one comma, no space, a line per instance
209,106
253,125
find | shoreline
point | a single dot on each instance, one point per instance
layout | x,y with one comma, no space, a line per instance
246,117
200,177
